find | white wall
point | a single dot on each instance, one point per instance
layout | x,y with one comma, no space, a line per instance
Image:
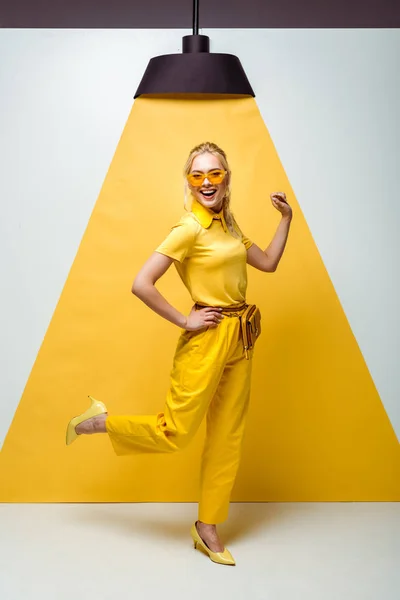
330,99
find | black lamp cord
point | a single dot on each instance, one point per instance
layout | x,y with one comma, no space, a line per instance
195,17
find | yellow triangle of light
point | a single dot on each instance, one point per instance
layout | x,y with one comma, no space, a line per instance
317,429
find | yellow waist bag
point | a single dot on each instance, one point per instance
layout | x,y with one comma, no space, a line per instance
250,322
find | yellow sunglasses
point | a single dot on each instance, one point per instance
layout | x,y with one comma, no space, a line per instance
196,179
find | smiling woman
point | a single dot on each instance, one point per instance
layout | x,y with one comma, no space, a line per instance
311,383
213,359
206,182
208,178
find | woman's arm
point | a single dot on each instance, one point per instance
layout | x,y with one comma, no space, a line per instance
268,259
144,288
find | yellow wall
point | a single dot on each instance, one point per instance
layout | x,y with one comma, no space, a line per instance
317,429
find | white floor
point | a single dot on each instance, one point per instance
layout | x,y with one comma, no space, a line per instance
324,551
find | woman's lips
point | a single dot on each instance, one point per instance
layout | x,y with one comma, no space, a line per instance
208,194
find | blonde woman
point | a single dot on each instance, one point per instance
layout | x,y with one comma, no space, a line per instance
211,370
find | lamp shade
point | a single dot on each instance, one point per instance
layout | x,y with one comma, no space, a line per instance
195,71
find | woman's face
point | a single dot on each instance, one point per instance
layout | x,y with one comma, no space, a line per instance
208,194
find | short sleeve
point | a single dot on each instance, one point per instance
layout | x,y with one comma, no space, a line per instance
247,243
245,240
180,240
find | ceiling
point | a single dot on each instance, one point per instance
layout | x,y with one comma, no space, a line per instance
213,13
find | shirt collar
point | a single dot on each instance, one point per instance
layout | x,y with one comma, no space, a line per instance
206,216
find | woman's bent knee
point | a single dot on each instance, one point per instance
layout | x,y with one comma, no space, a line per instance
180,441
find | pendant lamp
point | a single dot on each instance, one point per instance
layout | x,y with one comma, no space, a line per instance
196,70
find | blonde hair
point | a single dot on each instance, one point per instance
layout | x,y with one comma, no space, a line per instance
220,154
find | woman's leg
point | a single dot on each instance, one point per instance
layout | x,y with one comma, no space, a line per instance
93,425
194,378
226,420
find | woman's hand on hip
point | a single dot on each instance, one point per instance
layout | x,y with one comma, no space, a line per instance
205,317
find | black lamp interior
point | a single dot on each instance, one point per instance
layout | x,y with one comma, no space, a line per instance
196,70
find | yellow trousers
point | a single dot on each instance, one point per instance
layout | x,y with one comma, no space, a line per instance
210,377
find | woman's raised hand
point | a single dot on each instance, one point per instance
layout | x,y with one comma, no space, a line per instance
205,317
279,202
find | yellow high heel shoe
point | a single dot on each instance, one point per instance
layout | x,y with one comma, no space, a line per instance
96,408
222,558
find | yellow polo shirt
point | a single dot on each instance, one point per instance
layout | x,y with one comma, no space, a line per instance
209,260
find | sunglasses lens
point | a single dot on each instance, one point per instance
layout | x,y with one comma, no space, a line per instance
216,176
195,179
